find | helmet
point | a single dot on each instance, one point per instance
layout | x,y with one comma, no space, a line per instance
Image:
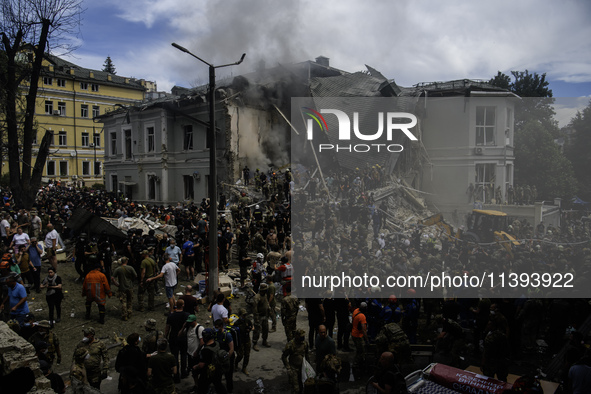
150,323
233,319
260,256
393,299
257,206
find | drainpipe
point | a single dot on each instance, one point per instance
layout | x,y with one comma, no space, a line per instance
75,139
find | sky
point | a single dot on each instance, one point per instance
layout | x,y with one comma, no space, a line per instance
408,41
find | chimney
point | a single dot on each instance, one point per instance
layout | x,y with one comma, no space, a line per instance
323,61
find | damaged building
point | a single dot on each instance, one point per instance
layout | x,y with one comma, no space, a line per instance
158,151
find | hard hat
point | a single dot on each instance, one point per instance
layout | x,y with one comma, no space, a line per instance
260,256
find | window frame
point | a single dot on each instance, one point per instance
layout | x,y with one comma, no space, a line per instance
86,171
150,139
483,128
94,87
48,165
62,163
61,107
188,137
83,85
84,110
96,111
48,81
85,139
113,143
61,83
62,138
49,107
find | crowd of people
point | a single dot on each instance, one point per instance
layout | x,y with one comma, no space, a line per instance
339,229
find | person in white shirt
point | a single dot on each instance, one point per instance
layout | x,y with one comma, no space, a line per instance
19,239
170,273
51,245
219,311
4,229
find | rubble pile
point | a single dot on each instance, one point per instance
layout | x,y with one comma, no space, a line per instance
15,352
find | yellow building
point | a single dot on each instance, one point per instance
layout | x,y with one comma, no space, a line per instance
69,98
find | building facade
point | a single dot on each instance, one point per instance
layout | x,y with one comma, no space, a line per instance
468,135
70,98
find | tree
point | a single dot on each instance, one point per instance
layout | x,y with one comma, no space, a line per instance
29,29
538,160
578,150
108,66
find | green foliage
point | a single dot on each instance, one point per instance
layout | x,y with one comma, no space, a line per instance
579,150
539,162
98,186
108,66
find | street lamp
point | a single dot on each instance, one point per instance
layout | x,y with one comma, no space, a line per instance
213,215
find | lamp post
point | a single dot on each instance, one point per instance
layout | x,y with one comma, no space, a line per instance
213,215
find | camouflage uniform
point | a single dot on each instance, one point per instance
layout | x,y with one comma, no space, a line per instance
97,365
149,344
289,315
244,326
293,358
150,287
261,311
78,372
125,276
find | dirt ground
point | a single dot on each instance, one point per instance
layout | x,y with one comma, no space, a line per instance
265,364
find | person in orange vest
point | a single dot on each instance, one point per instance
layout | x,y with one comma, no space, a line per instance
96,288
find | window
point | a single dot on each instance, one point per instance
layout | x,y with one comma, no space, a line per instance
113,144
485,125
114,184
508,128
97,168
85,168
61,83
49,107
47,81
62,139
85,139
94,87
96,139
188,137
61,107
485,182
96,111
151,141
52,140
34,137
189,187
51,168
84,111
127,144
151,187
63,168
83,85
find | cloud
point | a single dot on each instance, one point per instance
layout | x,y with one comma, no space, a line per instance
409,41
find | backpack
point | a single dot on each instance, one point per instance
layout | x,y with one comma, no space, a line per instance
235,331
221,359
